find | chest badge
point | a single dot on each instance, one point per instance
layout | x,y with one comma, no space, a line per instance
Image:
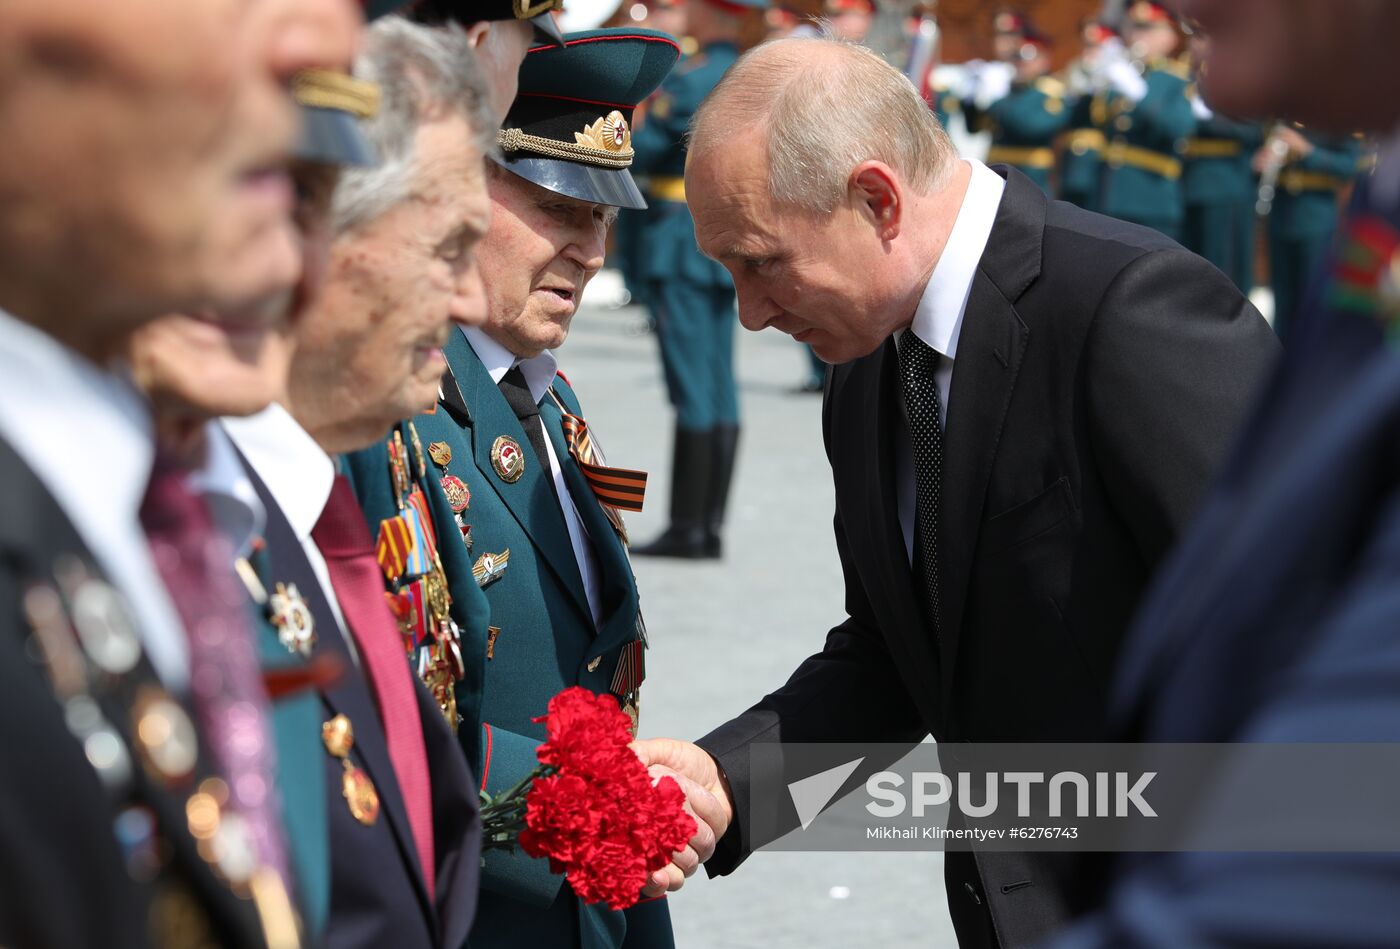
507,459
360,793
490,567
292,618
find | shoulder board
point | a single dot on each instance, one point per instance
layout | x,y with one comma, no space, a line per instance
1051,86
1173,68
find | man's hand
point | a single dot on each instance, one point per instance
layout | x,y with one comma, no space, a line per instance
708,800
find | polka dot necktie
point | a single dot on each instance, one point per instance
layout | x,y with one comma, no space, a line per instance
917,361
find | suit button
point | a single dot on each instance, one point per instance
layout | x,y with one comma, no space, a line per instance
972,892
593,666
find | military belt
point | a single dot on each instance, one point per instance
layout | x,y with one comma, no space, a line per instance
1119,154
1083,141
1294,180
668,188
1025,157
1213,148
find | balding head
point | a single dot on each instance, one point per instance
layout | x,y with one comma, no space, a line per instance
823,106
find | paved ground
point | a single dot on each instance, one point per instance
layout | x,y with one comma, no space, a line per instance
725,633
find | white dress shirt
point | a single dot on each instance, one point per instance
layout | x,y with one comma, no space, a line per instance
939,317
87,435
539,372
299,475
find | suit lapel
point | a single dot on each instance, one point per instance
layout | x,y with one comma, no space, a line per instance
529,500
990,347
350,695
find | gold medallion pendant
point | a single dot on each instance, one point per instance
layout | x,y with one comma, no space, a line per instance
359,791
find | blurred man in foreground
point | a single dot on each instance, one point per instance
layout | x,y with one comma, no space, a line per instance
149,178
1275,620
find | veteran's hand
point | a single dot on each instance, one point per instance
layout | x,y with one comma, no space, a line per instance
708,800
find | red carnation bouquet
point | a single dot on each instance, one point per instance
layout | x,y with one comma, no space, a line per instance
590,806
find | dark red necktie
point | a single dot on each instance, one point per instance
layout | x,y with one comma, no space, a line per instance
343,539
196,563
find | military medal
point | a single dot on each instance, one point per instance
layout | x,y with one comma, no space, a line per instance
360,794
458,496
292,618
398,467
492,632
419,463
441,453
507,459
490,567
104,627
168,742
1366,274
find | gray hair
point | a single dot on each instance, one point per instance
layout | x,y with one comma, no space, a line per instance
421,71
825,106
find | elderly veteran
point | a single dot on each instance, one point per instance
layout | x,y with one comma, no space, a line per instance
148,178
194,371
518,522
400,799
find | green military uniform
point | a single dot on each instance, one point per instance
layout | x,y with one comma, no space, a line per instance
1081,156
944,103
1219,189
1024,125
1303,218
1142,159
692,303
526,624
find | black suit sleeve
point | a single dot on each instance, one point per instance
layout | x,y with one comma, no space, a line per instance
851,691
1174,359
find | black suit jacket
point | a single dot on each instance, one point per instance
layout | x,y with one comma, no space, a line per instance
378,895
1100,374
64,881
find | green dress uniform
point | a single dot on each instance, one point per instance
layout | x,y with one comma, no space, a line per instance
1142,160
1219,188
944,104
525,621
1303,218
692,303
1081,156
1024,125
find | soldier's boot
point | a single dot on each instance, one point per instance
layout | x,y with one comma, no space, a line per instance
726,447
690,486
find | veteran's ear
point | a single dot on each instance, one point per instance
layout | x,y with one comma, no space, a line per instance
875,192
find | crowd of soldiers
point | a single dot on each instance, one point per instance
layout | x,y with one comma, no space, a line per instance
1124,131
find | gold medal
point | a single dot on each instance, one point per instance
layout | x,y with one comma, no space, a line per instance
507,459
359,791
441,453
168,742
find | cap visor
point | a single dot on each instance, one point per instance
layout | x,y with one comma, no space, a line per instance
547,28
333,137
610,186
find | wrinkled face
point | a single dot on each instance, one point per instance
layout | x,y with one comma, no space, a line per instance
542,249
150,175
1006,46
369,352
1031,63
822,279
206,365
1325,62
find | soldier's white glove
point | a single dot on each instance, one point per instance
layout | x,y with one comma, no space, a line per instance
1202,111
994,83
1124,77
966,85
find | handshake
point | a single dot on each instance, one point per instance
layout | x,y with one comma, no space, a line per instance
708,800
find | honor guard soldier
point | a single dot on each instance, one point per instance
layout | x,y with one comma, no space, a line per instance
691,297
1147,118
1082,145
1025,123
519,501
1218,187
1309,171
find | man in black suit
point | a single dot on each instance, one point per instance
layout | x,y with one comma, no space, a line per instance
1026,404
144,181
